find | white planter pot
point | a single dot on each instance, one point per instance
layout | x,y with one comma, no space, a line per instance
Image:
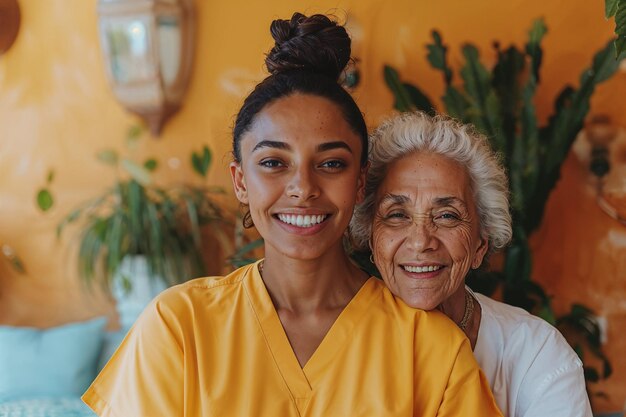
130,302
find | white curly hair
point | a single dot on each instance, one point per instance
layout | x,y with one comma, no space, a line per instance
418,132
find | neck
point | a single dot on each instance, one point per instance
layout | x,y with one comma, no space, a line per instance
305,285
455,306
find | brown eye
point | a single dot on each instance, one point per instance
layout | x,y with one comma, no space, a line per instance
447,219
271,163
333,165
396,217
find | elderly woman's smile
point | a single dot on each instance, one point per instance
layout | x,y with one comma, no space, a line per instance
426,231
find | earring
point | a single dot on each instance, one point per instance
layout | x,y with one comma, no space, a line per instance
474,266
372,258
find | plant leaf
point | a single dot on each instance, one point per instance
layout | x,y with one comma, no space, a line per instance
456,103
480,93
137,172
201,161
134,197
108,156
533,47
437,56
18,265
620,29
116,232
192,213
207,157
607,368
44,199
151,164
518,261
591,374
402,97
557,137
610,8
132,135
419,99
620,47
73,216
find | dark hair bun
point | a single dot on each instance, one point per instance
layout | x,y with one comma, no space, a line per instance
314,43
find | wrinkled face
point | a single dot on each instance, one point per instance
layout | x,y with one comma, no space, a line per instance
426,229
300,175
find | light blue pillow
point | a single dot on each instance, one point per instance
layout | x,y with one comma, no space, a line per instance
112,341
59,361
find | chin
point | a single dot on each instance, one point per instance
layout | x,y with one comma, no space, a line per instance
306,253
421,303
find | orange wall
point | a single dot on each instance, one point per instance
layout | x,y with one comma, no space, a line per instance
56,112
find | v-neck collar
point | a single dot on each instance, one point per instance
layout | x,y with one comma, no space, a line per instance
301,381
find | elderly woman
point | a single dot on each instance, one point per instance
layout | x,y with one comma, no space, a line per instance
436,204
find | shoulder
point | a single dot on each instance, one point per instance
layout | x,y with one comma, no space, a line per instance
186,299
521,331
206,286
432,330
526,354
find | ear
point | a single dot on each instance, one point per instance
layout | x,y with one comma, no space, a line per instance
480,253
239,182
360,195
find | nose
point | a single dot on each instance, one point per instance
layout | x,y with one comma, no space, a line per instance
422,234
303,185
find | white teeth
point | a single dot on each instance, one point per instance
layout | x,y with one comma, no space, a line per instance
429,268
302,221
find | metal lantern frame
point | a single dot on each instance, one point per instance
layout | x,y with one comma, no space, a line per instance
148,50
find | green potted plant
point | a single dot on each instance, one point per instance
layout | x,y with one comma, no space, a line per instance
138,237
499,103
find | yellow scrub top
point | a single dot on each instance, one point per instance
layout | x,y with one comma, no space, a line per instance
216,347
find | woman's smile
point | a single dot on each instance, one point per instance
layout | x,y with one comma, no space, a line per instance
422,271
302,224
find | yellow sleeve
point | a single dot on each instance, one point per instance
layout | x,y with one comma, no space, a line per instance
467,392
145,375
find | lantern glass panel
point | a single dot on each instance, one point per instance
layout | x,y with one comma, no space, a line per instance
169,33
130,44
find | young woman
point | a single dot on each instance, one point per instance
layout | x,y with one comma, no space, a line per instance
303,332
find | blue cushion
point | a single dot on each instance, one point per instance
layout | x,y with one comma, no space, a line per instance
60,361
46,407
112,341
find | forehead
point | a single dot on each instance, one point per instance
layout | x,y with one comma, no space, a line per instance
427,176
303,118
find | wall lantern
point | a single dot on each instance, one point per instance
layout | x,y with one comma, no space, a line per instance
148,53
9,23
601,147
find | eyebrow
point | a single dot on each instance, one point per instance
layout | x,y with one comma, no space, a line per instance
271,144
284,146
439,202
327,146
394,199
449,201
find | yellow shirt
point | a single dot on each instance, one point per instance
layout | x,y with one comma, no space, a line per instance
216,347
